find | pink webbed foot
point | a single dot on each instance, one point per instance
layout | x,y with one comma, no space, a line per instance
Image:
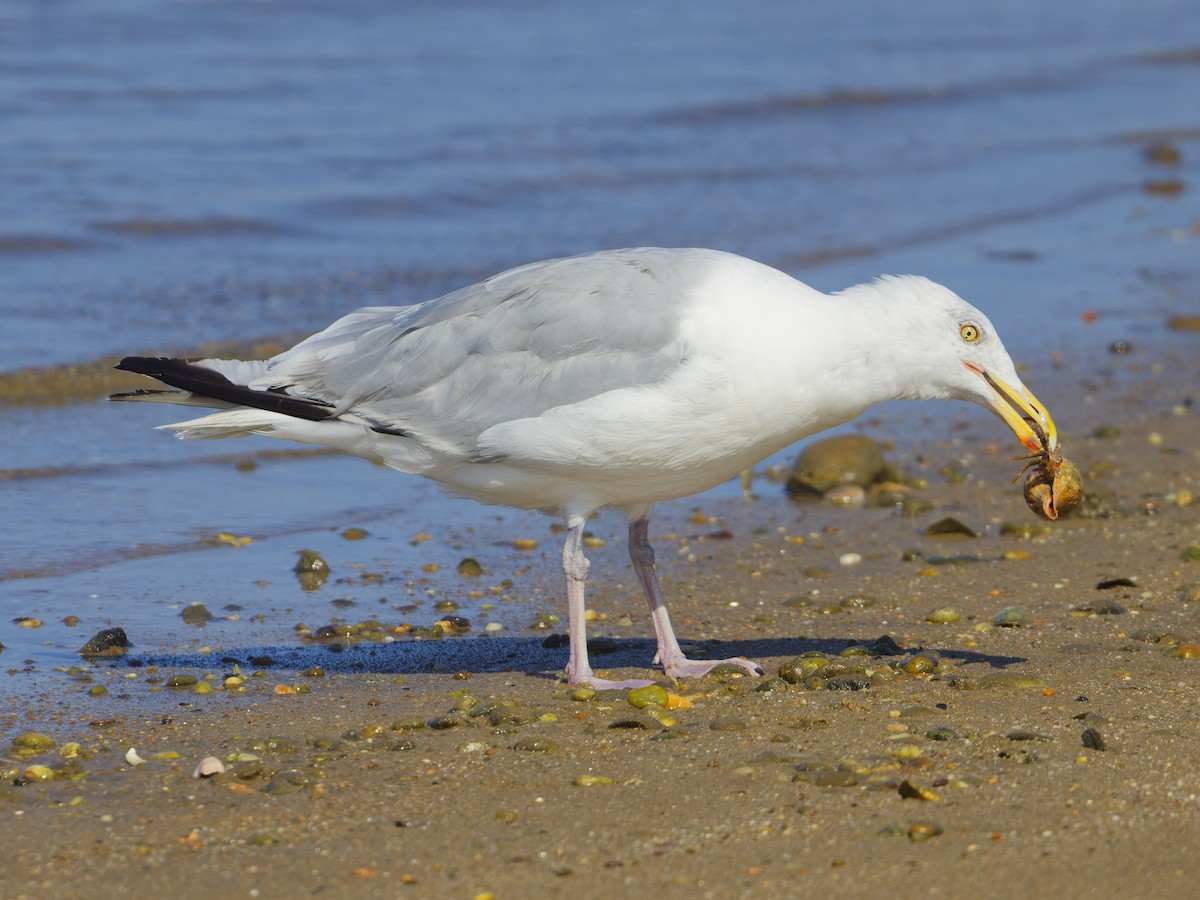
603,684
682,667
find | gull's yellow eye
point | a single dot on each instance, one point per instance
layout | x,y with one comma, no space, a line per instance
968,332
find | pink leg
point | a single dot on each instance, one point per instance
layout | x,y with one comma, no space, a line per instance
674,663
575,567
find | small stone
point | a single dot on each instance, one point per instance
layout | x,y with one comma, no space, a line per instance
1010,617
34,741
470,568
599,646
770,685
644,696
535,745
311,561
355,534
1021,735
912,791
182,681
1164,187
950,527
1163,153
830,462
942,733
109,642
1103,606
943,615
923,663
1190,553
848,682
923,831
196,614
1011,681
796,671
1093,739
591,780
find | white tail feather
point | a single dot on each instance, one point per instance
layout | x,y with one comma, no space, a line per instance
237,422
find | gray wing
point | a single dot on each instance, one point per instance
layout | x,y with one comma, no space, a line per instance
525,341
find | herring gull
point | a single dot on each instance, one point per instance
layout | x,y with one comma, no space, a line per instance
615,379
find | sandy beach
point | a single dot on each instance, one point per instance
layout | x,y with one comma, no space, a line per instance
1057,757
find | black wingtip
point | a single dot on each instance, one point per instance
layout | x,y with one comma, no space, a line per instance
185,375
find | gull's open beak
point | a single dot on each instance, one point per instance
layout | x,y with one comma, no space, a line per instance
1021,411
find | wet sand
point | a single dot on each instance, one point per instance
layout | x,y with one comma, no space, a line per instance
748,793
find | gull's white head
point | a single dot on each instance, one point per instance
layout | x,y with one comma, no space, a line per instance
946,348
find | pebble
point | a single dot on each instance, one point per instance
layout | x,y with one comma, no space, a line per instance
923,663
470,568
310,561
831,462
848,682
770,685
1021,735
535,745
644,696
923,831
943,615
950,527
34,741
591,780
912,791
1010,617
942,733
1164,153
1093,739
109,642
196,614
1104,606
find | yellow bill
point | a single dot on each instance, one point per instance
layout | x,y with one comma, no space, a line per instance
1021,411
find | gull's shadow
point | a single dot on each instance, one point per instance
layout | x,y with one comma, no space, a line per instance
529,656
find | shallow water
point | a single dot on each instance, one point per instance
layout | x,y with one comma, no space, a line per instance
178,173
